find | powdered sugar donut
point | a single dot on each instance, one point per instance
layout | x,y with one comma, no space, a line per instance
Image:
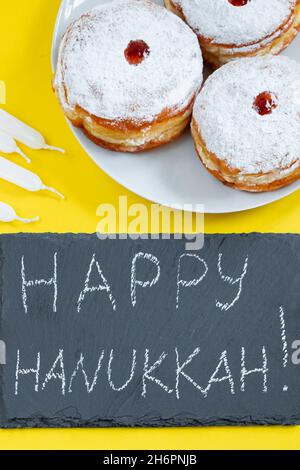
231,29
246,123
128,73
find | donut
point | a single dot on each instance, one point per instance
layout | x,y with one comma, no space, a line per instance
246,123
128,73
232,29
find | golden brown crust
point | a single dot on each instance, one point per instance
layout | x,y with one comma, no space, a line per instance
174,9
128,136
219,54
260,182
131,148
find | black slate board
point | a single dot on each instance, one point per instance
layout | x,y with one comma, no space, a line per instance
94,352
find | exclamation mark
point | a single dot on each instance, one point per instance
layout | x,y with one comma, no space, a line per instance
285,354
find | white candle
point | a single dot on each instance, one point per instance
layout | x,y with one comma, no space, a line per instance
23,133
8,145
17,175
8,214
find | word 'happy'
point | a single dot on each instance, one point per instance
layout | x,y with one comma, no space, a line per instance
107,288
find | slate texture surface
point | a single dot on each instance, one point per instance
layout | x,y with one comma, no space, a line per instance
145,333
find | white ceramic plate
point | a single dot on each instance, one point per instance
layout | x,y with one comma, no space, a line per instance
171,175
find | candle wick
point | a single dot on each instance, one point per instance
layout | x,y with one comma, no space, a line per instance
52,190
56,149
27,221
23,155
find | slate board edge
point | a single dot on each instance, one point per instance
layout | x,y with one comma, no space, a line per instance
88,235
59,422
2,407
157,423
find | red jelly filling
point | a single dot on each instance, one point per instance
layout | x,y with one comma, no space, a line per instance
136,52
239,3
265,103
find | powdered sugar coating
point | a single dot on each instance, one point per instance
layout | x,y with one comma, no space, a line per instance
231,127
224,23
98,78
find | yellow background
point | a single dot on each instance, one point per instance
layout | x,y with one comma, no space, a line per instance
25,41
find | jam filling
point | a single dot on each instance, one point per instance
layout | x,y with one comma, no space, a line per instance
239,3
264,103
136,52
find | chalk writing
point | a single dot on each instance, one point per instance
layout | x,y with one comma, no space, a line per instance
79,367
149,370
231,281
191,282
283,337
143,333
58,372
31,370
109,372
38,282
135,282
53,374
263,370
101,287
